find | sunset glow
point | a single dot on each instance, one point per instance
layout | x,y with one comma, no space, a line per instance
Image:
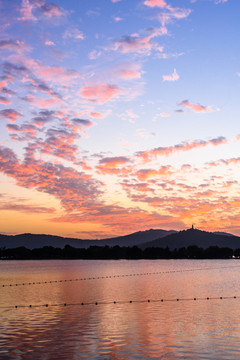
118,116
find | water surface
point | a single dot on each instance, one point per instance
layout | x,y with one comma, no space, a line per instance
169,329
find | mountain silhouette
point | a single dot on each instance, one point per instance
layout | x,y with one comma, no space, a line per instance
33,241
195,237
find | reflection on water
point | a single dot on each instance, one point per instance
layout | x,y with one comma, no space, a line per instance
162,330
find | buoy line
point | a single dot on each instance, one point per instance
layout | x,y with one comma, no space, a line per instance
120,302
117,276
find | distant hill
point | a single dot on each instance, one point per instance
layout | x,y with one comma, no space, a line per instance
202,239
222,233
33,241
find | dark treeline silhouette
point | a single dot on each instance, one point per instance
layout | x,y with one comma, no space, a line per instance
117,252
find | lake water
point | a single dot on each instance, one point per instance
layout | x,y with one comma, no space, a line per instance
169,329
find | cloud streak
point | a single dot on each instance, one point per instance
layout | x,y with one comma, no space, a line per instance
185,146
196,107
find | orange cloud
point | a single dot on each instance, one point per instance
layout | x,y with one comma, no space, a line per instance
71,187
113,165
145,174
32,209
121,220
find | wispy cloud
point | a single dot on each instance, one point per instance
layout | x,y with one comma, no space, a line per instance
220,1
31,10
74,33
13,45
29,209
196,107
136,44
117,18
130,71
185,146
94,54
173,77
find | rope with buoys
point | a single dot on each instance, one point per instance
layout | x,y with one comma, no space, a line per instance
117,276
120,302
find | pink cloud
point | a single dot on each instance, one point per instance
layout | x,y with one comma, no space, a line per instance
100,93
186,146
3,83
165,17
173,77
10,114
130,74
22,132
12,45
226,162
117,18
43,103
178,13
55,74
4,100
96,115
39,7
79,125
196,107
26,11
129,44
51,10
7,91
44,117
155,3
60,143
49,43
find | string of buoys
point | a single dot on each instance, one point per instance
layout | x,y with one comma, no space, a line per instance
116,276
120,302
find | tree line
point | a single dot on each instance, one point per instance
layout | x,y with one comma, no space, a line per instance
117,252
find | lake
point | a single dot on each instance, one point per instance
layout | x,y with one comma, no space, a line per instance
129,320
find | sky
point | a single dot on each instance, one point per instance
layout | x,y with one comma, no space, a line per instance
119,116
